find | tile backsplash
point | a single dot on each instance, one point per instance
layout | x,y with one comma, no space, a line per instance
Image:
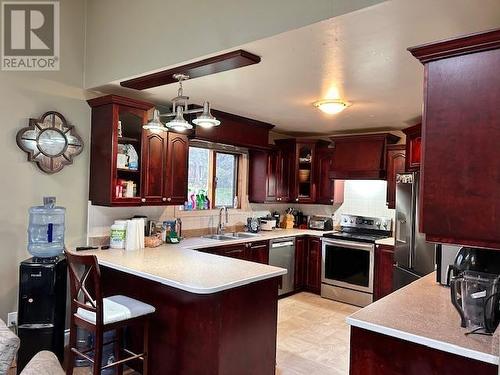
366,198
361,197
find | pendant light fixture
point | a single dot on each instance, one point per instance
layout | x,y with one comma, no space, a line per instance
179,108
155,125
205,119
179,123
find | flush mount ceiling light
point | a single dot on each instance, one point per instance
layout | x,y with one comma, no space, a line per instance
179,108
331,106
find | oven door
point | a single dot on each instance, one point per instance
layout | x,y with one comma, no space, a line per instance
348,264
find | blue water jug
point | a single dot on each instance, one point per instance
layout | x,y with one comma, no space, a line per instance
46,229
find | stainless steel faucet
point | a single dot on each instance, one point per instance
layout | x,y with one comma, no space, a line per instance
221,228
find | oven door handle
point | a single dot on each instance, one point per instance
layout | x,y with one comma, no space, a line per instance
350,244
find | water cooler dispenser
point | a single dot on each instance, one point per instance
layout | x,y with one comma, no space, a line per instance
42,307
42,285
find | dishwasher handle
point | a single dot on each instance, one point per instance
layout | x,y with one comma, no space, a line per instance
276,245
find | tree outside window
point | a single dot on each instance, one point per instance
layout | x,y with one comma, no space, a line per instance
213,173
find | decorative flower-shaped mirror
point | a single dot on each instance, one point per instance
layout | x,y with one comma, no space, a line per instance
50,142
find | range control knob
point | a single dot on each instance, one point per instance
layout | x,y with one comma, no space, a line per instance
377,223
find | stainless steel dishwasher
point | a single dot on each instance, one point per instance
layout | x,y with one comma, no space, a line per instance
282,254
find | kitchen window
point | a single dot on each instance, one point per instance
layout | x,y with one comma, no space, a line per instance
214,173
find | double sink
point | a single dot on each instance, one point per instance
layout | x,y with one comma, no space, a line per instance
231,236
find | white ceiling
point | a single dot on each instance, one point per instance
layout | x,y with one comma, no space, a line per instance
360,57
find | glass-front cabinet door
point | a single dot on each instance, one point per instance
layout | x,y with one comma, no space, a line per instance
128,155
305,171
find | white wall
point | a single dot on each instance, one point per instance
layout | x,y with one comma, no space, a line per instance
30,94
130,37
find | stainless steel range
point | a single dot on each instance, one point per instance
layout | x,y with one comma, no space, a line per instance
348,259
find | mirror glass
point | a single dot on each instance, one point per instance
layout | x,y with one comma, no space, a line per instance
52,142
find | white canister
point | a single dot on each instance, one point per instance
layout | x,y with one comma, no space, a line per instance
118,234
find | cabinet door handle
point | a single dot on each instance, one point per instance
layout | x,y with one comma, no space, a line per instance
164,199
169,199
296,199
143,200
234,251
258,246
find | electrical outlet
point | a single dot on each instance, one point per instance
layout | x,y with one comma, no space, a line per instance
12,319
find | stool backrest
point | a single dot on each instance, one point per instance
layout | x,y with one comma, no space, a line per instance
85,284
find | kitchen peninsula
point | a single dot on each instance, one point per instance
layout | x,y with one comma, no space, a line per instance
214,315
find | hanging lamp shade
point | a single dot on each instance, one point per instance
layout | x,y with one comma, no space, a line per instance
179,123
155,125
205,119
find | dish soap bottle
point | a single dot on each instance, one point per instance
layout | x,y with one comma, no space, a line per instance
207,202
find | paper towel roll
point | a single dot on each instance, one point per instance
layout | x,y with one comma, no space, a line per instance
135,234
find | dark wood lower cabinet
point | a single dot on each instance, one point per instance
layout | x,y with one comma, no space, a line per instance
258,251
313,265
300,262
384,261
238,251
376,354
229,332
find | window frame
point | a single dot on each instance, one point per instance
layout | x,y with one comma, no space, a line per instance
213,186
212,174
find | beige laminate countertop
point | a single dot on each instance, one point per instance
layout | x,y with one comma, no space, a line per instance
422,313
386,241
181,266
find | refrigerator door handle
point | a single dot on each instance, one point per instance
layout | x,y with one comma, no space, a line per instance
413,209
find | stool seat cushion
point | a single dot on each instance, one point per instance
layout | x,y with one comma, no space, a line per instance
117,308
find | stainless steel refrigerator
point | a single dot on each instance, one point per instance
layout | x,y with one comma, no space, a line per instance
413,256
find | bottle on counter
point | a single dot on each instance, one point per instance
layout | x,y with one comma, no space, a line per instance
207,202
118,234
192,202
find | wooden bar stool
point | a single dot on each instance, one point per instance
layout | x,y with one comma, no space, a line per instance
92,312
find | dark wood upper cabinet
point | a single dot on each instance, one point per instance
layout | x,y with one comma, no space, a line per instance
294,170
269,176
395,164
161,175
263,176
300,157
177,168
236,130
384,270
361,156
328,191
413,147
165,168
105,176
154,159
460,183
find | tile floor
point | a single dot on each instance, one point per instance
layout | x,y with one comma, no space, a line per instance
313,337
